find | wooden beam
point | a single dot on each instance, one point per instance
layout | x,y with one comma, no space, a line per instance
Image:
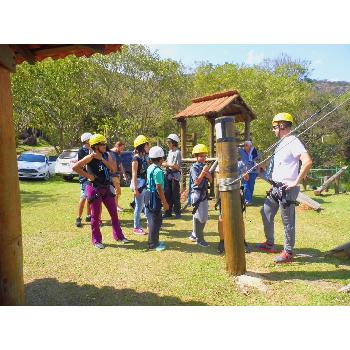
7,58
11,251
52,51
330,180
25,53
183,133
95,48
247,128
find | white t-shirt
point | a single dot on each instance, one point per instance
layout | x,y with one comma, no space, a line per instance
286,160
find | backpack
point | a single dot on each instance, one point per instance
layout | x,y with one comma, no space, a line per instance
152,200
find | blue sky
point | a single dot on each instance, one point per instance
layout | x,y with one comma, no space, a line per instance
331,62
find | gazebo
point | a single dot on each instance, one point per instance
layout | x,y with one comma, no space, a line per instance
11,252
212,107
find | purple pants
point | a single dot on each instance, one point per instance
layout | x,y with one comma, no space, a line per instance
108,200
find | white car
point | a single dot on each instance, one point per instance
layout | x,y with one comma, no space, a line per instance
65,162
35,166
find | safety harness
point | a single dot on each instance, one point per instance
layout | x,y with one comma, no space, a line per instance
279,194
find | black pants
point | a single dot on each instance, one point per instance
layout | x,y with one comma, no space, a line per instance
154,224
172,195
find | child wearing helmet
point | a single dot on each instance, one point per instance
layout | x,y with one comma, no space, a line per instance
172,177
98,165
155,198
199,177
83,152
139,176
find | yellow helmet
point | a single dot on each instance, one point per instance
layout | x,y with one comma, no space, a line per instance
200,148
140,140
97,138
282,117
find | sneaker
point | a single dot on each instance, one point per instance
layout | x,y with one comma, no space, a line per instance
192,238
99,245
88,218
178,216
284,257
221,247
165,216
78,222
139,231
160,247
124,240
266,247
202,243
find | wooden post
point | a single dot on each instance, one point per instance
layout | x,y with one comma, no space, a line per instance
11,252
212,152
183,133
232,216
247,128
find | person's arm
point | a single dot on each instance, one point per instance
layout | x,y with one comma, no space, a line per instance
306,163
134,167
162,197
78,167
110,163
122,170
205,173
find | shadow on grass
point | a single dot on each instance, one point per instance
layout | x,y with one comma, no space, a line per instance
38,197
49,291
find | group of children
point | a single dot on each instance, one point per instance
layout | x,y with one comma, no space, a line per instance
155,184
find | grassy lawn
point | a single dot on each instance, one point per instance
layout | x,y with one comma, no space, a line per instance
62,268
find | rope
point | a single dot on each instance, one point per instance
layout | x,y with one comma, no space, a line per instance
292,131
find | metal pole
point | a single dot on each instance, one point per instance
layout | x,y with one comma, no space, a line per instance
232,217
11,253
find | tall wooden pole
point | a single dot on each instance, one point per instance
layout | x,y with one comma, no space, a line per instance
232,217
11,252
212,151
247,128
183,133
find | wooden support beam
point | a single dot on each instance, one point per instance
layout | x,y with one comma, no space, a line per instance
25,53
183,133
247,128
7,58
95,48
330,180
11,252
212,151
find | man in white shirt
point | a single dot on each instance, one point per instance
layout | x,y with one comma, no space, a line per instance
286,177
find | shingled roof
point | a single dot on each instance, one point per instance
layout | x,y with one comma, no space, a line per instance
212,106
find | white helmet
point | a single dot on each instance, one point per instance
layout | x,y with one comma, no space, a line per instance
156,152
174,137
85,137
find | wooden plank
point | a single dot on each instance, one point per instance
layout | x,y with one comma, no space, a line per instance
25,53
7,58
304,199
330,180
11,251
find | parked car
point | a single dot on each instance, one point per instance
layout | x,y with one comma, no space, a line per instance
35,166
65,162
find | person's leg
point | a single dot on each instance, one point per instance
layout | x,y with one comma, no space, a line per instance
288,218
268,212
153,238
118,191
137,211
114,181
95,206
201,218
246,189
176,197
221,247
109,203
169,196
252,179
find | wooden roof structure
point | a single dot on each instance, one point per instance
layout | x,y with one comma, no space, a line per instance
223,103
10,55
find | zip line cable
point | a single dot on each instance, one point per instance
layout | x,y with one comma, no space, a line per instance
308,128
307,120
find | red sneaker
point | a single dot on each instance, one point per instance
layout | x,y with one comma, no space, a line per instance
267,247
284,257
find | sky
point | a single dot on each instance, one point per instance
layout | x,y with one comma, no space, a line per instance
330,62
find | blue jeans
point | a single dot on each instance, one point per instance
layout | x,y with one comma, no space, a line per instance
139,205
249,187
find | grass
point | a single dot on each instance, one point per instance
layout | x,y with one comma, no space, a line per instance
41,146
62,268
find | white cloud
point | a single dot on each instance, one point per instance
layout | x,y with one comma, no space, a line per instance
254,57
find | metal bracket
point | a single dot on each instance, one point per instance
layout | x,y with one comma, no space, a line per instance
7,58
228,184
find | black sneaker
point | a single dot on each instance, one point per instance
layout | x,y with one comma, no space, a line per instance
78,222
221,247
88,218
202,243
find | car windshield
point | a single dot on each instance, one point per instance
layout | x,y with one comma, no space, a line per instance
31,158
68,154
